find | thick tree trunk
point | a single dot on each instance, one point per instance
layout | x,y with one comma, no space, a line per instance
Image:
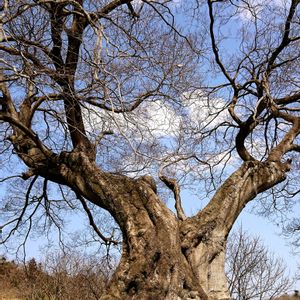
204,236
153,265
157,269
165,257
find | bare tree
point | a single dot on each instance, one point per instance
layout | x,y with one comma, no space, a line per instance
72,276
65,276
292,229
84,88
253,272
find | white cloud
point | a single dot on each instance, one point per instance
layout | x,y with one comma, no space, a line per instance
159,119
151,119
248,10
204,111
155,131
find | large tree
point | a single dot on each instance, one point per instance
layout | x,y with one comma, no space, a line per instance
84,88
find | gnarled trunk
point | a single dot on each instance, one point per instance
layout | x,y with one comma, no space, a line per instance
154,266
165,257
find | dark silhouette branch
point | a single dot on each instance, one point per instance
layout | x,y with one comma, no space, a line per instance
106,240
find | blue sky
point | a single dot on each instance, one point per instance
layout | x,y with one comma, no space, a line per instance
254,224
270,235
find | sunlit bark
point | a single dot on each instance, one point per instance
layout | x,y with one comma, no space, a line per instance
164,255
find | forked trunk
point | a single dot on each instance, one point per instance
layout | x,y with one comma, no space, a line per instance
163,256
166,258
157,261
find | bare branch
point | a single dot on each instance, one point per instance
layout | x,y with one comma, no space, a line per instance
214,44
173,185
106,240
287,143
108,8
285,38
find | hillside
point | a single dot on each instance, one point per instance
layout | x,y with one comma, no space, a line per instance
33,282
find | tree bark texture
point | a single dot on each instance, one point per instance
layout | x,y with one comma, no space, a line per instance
164,257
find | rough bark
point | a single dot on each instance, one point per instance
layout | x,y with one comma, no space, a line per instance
153,265
165,257
204,236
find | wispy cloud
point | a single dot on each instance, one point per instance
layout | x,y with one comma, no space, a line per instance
250,9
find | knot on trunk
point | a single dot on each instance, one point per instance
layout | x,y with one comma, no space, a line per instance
149,181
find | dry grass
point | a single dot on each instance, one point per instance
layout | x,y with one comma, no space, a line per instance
33,282
9,295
